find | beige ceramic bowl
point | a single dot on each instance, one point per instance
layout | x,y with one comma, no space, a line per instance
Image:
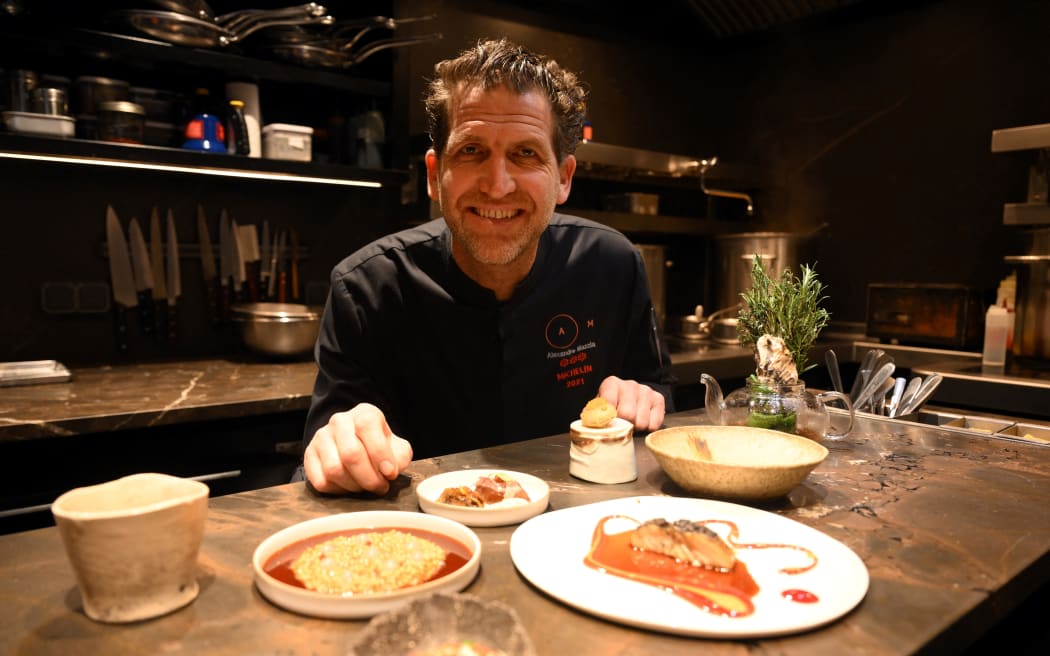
133,543
744,462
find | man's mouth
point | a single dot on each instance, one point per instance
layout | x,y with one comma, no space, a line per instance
495,214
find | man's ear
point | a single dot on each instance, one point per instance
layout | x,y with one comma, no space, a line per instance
565,171
431,160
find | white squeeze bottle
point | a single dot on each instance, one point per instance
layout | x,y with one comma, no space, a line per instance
997,324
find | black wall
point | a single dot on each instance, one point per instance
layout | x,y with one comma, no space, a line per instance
871,127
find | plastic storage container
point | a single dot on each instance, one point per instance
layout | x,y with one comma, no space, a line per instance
284,141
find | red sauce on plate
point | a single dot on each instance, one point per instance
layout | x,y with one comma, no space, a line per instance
800,596
279,566
727,593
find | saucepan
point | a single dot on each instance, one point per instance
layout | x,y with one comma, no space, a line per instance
324,56
343,34
202,10
185,30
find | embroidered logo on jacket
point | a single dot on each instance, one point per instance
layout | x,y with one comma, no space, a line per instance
563,332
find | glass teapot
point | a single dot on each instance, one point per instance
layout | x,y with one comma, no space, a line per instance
786,408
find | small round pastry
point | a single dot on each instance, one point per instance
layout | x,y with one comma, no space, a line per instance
598,413
603,455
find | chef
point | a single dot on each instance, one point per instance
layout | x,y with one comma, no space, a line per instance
499,321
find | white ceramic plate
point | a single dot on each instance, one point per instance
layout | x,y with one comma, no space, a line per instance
319,604
839,580
511,511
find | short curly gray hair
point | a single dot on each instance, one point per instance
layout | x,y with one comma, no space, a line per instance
500,62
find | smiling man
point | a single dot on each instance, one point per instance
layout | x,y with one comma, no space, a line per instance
499,321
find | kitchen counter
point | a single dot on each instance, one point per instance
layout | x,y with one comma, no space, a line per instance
953,529
148,395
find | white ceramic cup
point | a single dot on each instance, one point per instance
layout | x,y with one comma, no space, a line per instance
603,455
133,544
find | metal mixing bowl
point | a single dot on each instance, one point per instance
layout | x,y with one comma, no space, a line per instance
277,329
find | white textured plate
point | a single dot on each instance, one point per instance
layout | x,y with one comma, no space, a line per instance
511,511
319,604
839,580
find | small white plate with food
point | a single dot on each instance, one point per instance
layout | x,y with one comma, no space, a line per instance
691,567
484,497
356,565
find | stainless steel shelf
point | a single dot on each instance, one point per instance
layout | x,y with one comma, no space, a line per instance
1026,214
1028,137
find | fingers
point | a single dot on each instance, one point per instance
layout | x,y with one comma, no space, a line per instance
637,403
356,451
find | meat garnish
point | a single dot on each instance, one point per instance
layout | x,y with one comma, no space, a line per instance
486,491
461,496
685,541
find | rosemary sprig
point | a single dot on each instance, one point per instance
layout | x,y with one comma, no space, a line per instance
788,308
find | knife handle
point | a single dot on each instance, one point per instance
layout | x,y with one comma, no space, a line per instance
282,287
251,275
146,313
120,328
224,301
160,318
211,297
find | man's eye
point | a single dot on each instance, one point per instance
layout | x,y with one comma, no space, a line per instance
469,150
527,152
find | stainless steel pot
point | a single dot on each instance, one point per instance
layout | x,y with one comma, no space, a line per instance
277,329
736,252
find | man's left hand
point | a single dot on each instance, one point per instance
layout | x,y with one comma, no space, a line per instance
634,402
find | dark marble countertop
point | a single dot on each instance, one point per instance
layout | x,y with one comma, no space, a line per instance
954,530
133,396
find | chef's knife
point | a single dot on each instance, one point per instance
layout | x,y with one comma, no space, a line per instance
156,259
140,266
174,272
120,278
282,267
237,292
264,262
226,257
295,264
248,241
211,280
275,253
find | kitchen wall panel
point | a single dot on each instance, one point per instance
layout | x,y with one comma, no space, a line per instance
871,126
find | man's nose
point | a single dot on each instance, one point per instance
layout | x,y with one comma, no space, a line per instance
497,179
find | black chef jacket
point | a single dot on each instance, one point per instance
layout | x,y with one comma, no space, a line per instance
454,369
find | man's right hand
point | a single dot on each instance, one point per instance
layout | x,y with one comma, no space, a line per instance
355,452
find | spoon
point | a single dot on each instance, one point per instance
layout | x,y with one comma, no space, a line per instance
864,374
895,400
929,386
833,370
873,384
909,394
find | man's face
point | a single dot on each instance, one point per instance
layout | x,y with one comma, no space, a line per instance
498,180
